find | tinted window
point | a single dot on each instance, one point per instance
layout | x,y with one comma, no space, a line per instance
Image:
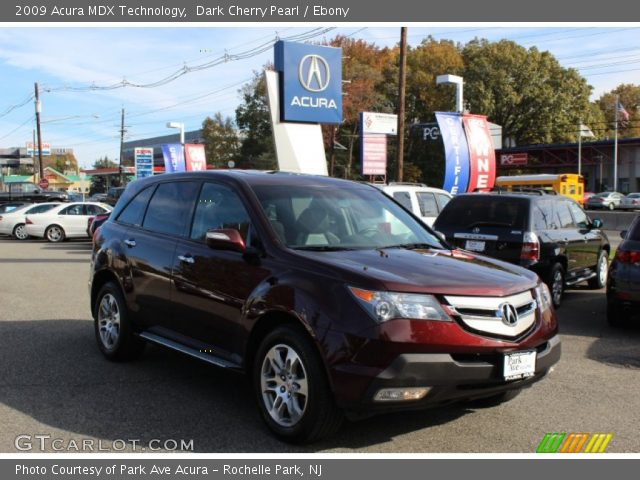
547,211
219,207
404,199
442,200
40,209
134,211
579,216
73,210
479,210
427,204
634,234
539,219
170,207
565,220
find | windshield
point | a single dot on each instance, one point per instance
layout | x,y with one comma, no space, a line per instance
324,219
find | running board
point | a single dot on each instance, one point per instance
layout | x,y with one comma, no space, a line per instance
575,281
192,352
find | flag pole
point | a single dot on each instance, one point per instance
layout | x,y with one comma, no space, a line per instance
615,148
580,147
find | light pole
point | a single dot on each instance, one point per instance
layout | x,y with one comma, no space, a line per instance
458,82
180,126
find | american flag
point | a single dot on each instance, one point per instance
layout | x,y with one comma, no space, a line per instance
622,114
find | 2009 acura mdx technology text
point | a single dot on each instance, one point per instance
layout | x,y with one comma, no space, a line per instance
329,294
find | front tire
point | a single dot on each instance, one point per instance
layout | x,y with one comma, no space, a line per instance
291,387
602,270
20,232
54,233
612,206
112,325
556,284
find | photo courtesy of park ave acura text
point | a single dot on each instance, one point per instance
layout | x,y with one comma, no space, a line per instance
307,233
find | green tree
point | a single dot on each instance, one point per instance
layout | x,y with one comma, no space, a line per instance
99,182
629,96
105,162
221,140
253,120
526,91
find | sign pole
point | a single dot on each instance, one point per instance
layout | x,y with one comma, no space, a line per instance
38,109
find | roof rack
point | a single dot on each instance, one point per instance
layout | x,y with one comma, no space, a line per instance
532,191
408,184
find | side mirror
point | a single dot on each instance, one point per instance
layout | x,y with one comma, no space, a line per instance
226,239
597,223
623,234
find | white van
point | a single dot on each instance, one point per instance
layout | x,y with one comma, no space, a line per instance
425,202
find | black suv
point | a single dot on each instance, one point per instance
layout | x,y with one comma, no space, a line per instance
551,235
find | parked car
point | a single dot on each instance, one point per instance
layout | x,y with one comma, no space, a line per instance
610,200
630,202
98,197
585,197
13,222
549,234
93,223
63,221
424,202
113,194
28,192
623,287
10,206
327,293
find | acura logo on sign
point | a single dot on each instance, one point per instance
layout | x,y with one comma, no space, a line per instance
508,313
314,73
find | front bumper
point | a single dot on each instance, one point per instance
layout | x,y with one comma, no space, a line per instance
453,377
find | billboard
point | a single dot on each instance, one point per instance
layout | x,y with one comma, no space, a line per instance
144,162
32,149
310,82
456,178
374,154
372,122
195,157
482,156
507,159
173,158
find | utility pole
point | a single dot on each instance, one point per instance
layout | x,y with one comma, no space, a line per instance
615,147
122,132
580,147
38,109
402,81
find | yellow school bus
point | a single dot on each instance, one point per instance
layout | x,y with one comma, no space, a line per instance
568,184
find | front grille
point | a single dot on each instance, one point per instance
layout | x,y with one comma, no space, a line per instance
485,314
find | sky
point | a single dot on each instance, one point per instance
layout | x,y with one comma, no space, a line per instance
68,61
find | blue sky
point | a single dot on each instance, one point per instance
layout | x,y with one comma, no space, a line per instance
62,59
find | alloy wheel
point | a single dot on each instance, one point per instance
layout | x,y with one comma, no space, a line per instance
109,321
20,232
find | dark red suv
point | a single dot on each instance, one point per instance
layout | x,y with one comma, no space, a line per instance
333,297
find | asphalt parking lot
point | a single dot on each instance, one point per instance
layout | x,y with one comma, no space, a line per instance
53,381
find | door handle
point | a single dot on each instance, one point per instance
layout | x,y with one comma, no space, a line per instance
130,243
186,258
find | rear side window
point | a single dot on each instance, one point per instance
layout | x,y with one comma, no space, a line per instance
95,210
404,199
134,211
442,200
170,207
73,210
427,204
480,210
539,219
565,220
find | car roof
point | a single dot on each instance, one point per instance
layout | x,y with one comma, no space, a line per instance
521,195
405,187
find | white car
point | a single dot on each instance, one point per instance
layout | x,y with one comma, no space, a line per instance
67,220
425,202
630,202
12,222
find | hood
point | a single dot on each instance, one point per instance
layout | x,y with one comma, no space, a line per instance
429,271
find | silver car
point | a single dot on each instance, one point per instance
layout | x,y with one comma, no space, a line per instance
630,202
610,200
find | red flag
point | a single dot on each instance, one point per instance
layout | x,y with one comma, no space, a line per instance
482,156
195,157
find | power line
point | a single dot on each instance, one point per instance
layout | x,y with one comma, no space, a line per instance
28,120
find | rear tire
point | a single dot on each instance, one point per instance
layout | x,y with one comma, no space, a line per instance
291,387
54,233
112,325
602,270
555,282
612,206
20,232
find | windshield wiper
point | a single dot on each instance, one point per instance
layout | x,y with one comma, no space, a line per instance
322,248
414,246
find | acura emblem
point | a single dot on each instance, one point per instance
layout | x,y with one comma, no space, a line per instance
314,73
508,313
476,230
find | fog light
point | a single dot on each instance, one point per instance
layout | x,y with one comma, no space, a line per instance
400,394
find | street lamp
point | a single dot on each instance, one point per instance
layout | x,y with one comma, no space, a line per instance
458,82
180,126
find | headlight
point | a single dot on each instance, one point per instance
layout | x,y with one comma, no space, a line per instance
384,306
544,297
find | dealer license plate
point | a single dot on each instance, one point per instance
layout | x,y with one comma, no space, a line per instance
474,245
519,365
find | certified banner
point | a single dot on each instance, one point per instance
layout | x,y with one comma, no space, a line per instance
173,158
144,162
456,179
195,157
482,156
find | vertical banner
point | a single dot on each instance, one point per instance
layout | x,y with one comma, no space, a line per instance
195,157
374,154
144,162
456,179
173,158
482,156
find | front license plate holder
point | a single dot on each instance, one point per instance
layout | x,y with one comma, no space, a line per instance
519,365
474,245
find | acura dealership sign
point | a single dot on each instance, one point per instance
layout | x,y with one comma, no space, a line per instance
310,82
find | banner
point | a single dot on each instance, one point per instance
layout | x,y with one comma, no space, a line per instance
482,156
173,158
195,157
456,179
374,154
144,162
